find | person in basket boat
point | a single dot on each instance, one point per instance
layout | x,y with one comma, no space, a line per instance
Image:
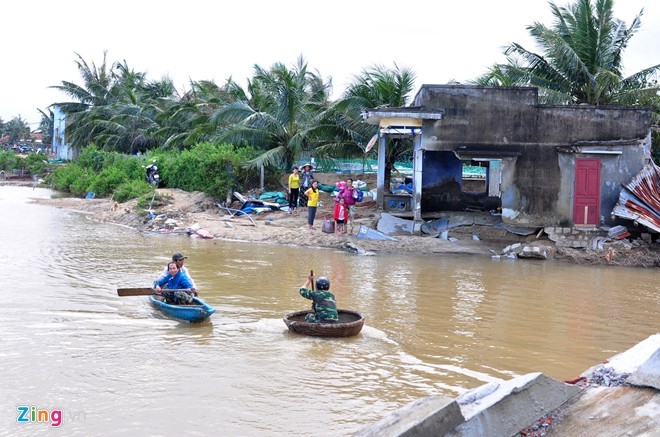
324,306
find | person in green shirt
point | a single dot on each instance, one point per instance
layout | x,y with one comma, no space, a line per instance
324,306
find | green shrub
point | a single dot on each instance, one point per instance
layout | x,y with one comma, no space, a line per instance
37,163
207,167
83,185
108,179
131,189
92,158
8,161
63,177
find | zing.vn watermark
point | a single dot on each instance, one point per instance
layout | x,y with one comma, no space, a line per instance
30,414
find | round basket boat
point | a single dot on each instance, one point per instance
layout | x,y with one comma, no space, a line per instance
350,324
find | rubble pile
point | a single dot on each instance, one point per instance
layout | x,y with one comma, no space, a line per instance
608,377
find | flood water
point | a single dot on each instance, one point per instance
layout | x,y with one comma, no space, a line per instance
435,325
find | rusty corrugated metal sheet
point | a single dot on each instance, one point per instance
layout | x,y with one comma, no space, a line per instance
640,198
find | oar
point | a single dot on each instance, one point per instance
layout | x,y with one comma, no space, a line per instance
311,273
144,291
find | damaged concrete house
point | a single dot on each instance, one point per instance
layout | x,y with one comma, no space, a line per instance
545,166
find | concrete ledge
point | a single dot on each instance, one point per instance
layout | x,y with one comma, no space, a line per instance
432,416
515,404
648,374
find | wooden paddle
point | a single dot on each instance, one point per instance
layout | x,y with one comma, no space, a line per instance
311,273
144,291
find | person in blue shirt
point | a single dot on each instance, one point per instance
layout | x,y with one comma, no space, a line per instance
177,286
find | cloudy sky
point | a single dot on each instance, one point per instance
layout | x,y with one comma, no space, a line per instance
440,40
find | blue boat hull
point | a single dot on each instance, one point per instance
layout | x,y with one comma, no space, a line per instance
198,312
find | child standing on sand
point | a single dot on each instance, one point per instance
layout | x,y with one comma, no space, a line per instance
341,216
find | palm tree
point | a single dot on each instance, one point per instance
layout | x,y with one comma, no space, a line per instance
377,87
88,100
132,117
46,126
186,121
17,129
580,60
116,107
278,112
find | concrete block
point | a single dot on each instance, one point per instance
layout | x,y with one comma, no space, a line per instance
431,416
515,405
534,252
389,224
648,374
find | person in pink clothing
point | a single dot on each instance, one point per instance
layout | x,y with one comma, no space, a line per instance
341,216
349,194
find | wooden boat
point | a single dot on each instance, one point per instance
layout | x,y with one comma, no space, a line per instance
194,313
350,324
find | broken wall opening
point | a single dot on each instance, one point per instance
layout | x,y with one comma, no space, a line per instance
453,184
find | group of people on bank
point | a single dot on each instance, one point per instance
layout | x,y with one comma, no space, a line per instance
178,288
304,193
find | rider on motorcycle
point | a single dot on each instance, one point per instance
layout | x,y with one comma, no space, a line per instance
152,173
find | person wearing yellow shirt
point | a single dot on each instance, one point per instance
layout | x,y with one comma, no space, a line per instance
294,189
312,202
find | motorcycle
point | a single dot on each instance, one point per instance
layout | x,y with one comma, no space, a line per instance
152,174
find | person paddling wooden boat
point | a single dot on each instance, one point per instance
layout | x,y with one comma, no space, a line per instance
196,311
179,258
177,284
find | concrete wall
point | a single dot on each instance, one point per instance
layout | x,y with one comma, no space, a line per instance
538,146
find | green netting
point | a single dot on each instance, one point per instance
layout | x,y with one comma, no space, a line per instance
474,171
401,168
340,165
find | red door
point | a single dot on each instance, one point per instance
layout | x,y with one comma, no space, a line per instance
586,203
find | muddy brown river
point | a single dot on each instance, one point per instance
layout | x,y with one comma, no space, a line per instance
435,325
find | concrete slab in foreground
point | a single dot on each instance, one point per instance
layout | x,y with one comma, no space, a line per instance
515,404
494,409
603,407
432,416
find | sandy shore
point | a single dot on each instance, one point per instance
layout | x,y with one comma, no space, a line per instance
183,212
198,212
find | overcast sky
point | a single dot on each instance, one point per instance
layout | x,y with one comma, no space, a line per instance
440,40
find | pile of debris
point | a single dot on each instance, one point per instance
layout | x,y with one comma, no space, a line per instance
640,198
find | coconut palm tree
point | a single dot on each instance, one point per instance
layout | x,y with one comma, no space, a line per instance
46,126
133,115
116,108
376,87
186,121
17,129
89,101
278,112
580,59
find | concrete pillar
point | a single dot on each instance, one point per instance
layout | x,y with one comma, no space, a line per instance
380,180
418,159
